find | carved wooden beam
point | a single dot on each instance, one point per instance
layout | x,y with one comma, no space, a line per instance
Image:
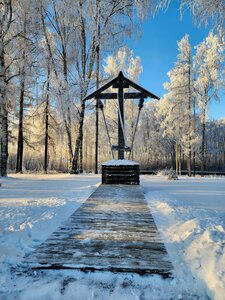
126,96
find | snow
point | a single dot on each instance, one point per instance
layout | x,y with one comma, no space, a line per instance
33,206
189,213
120,162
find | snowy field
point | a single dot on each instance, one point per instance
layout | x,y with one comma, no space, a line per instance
189,213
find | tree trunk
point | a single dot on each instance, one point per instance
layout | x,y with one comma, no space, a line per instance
84,76
177,157
46,135
46,123
194,163
180,165
3,110
194,152
83,91
81,156
74,169
189,118
173,157
67,117
69,136
19,161
203,143
4,135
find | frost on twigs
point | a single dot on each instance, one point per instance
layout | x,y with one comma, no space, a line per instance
172,175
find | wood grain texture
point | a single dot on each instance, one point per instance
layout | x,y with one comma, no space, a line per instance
121,174
113,230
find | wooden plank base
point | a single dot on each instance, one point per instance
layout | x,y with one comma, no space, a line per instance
120,174
113,230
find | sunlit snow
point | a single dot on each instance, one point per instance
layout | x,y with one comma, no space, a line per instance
189,213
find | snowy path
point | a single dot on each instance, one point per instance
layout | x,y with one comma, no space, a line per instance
113,230
190,214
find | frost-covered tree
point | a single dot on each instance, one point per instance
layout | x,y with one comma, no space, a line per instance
25,64
108,23
15,17
7,36
176,106
156,152
123,60
203,11
59,24
208,63
5,23
206,11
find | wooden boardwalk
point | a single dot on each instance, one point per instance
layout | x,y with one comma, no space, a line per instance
113,230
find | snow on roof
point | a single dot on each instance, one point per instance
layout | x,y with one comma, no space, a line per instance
120,162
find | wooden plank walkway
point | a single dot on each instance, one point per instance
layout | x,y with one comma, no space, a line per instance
113,230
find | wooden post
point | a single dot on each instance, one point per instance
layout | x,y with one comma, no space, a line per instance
97,109
96,135
121,142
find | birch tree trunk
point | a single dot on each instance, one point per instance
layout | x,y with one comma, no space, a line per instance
83,87
3,108
87,63
67,117
75,162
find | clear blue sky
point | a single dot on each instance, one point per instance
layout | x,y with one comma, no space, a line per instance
157,48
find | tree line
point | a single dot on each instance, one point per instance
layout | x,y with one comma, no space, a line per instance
175,131
51,55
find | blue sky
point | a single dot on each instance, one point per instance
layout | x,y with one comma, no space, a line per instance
157,48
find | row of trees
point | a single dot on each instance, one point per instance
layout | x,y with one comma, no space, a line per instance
170,131
175,132
50,54
50,58
194,82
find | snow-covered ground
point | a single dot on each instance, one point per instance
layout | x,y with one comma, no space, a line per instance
189,212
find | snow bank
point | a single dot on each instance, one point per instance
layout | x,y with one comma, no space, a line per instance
190,214
120,162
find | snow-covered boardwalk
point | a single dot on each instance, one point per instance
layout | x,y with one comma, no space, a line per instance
113,230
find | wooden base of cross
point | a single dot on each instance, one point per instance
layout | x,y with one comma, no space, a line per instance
121,172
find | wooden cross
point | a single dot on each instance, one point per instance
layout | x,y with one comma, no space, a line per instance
120,83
